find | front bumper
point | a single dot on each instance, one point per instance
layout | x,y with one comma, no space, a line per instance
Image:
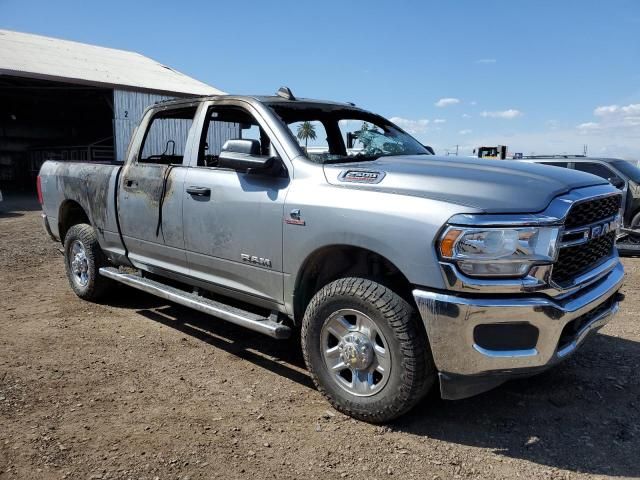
467,368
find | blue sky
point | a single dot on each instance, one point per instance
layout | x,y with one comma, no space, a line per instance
539,76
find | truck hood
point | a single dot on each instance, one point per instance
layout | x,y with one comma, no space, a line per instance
491,186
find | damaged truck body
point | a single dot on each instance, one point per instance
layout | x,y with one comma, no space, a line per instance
402,271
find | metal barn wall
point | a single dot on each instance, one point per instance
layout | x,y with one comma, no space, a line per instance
128,107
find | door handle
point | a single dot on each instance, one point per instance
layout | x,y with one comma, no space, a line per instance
131,183
199,191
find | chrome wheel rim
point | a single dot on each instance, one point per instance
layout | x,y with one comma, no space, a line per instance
355,352
79,264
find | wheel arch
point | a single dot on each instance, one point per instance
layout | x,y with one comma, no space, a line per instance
332,262
70,213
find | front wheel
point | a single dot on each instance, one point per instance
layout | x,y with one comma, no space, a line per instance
83,258
365,350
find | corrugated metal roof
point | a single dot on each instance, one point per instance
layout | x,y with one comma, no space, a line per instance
35,56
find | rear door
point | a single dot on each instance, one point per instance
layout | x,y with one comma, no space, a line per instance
150,193
233,221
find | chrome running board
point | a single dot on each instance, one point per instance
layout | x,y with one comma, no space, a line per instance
234,315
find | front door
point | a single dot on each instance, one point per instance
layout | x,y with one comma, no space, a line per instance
150,193
233,220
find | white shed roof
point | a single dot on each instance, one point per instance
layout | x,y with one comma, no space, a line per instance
35,56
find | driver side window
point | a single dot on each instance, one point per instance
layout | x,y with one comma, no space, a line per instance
230,123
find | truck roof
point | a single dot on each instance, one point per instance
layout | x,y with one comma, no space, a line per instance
266,99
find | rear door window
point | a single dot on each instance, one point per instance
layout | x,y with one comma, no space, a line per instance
166,137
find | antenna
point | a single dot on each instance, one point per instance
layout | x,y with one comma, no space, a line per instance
285,92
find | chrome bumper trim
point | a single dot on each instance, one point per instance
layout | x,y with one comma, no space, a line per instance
450,321
595,323
531,352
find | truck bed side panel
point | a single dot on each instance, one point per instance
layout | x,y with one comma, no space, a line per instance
90,185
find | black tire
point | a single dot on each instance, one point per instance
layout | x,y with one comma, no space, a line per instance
631,241
96,286
412,372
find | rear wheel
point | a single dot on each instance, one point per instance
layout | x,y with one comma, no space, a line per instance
83,259
365,350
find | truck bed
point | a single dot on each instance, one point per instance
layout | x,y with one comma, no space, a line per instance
92,186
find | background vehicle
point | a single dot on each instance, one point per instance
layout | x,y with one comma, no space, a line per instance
622,174
496,153
401,269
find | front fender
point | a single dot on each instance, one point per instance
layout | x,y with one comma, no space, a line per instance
400,228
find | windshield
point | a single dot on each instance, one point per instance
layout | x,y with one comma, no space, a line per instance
335,134
630,169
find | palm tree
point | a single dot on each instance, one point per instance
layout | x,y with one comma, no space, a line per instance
306,131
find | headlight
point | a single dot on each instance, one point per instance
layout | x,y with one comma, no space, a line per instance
498,252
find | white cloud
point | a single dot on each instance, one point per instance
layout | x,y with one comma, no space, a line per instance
506,114
588,126
413,127
617,116
486,61
466,131
605,110
439,120
466,115
473,103
612,131
445,102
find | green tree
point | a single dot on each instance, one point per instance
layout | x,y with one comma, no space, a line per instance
306,131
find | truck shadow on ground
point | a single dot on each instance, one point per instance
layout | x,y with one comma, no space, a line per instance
282,357
582,416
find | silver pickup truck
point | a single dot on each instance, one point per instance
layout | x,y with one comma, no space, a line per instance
400,270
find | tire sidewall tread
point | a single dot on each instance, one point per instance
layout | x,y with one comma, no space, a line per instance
412,372
97,285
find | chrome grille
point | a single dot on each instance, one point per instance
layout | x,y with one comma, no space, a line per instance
575,260
592,211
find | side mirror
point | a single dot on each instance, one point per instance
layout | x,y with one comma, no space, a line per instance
617,182
430,149
244,155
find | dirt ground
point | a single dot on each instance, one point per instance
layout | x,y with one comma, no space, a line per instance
139,389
